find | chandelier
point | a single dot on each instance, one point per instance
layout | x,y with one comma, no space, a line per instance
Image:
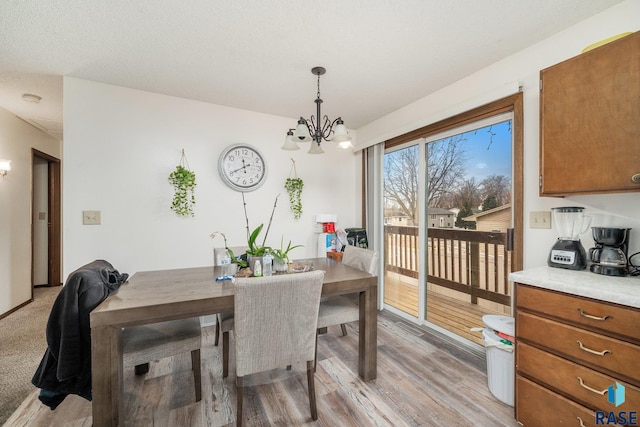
312,130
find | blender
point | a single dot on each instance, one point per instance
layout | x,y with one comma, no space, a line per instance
570,222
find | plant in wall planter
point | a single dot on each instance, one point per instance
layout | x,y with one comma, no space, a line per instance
183,181
294,189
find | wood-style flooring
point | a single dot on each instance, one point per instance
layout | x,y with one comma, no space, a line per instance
422,381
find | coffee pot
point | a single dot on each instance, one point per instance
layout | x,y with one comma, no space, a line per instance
609,256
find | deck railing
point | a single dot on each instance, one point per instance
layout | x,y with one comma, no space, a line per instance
473,262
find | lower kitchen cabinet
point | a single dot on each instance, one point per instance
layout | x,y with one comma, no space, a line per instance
577,359
546,408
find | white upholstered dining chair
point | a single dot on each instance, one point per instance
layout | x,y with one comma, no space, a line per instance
224,321
275,325
144,343
339,310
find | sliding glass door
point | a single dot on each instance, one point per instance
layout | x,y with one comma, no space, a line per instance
447,214
469,215
401,228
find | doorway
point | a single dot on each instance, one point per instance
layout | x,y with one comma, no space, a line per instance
45,220
452,227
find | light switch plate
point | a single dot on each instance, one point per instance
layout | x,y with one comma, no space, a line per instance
91,217
540,219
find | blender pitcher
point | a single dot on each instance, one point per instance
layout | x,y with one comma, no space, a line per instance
569,222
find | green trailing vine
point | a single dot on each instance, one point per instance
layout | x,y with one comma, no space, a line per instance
294,189
183,181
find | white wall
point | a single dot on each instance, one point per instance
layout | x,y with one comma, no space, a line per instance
17,138
616,210
121,145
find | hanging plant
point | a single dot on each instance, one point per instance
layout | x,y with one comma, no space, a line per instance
294,189
183,181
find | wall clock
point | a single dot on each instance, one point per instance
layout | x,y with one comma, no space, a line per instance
242,167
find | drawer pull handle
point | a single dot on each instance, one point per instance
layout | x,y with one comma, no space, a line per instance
589,316
581,423
583,385
599,353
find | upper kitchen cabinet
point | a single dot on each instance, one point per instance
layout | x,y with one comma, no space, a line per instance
590,121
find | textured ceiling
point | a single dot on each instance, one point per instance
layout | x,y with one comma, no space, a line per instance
257,55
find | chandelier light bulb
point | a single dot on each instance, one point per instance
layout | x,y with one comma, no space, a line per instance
315,148
289,143
302,131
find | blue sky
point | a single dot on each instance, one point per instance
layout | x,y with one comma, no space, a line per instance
485,158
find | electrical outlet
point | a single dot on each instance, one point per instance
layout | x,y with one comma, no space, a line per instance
540,219
91,217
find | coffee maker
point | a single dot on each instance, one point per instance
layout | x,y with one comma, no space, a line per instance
609,256
570,222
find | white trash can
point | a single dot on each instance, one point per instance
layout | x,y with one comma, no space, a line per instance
500,363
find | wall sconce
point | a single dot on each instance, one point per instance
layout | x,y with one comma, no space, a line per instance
5,166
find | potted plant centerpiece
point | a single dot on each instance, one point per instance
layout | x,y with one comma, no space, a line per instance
257,251
281,257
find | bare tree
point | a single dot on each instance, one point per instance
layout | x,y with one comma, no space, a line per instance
498,186
401,180
468,194
445,168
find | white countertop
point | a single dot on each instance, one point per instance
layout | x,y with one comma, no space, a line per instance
619,290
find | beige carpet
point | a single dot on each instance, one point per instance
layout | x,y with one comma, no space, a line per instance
22,345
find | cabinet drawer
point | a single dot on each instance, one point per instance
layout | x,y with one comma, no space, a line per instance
538,406
609,318
564,376
618,357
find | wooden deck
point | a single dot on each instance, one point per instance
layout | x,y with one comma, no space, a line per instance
453,314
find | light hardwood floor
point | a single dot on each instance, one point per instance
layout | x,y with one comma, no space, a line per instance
422,381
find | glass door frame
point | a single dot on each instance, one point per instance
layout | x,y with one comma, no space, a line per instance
513,104
422,236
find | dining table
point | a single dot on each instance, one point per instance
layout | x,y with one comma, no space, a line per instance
163,295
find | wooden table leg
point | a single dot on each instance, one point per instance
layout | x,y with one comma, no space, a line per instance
106,376
368,342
